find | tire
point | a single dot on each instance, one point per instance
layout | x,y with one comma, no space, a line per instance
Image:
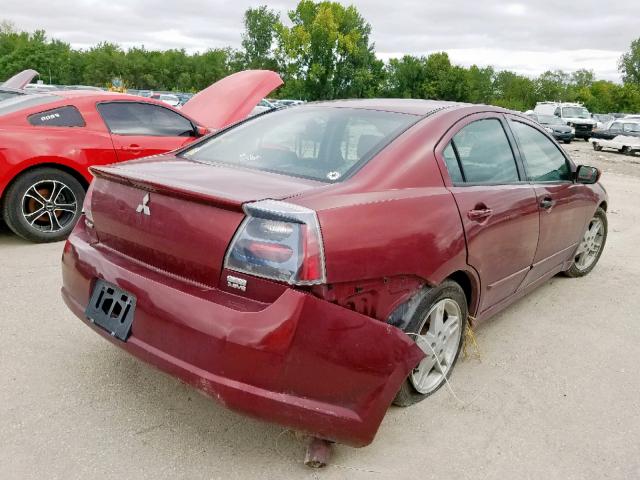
580,267
625,150
447,293
597,147
567,142
32,213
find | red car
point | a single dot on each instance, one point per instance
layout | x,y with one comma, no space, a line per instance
312,265
48,142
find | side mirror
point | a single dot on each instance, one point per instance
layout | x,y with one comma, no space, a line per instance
200,131
587,175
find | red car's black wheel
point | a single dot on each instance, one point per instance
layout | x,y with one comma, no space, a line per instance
43,205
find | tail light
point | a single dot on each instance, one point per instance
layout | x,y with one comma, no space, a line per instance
88,217
279,241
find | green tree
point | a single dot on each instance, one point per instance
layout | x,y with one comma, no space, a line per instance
480,84
553,86
261,26
326,53
629,64
514,91
405,77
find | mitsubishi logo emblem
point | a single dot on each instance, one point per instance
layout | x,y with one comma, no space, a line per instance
144,206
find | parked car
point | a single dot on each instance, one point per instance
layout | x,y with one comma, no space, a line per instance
168,98
288,103
615,128
573,114
556,127
42,88
311,265
263,106
83,87
602,119
626,144
49,141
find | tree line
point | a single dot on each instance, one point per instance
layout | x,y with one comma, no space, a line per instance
323,52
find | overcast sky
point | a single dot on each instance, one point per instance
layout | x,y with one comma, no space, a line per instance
527,36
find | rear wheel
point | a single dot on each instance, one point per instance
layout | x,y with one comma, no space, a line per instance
567,142
438,327
591,246
43,205
597,147
625,150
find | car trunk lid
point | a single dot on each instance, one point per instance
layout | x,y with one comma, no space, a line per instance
232,98
176,215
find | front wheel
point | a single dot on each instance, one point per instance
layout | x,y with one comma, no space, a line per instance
438,327
591,246
43,205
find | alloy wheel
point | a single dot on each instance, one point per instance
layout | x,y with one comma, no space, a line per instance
590,246
49,205
439,338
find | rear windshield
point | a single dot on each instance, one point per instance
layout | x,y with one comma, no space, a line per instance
21,102
321,143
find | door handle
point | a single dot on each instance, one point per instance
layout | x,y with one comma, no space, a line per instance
547,203
132,148
479,214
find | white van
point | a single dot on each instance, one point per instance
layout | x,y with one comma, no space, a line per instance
573,114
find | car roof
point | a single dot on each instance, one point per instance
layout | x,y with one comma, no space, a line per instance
399,105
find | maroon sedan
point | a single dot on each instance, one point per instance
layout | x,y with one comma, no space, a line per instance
311,265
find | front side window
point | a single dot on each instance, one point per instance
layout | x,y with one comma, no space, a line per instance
321,143
131,118
485,153
543,159
68,116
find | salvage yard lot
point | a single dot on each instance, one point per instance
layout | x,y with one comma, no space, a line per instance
555,393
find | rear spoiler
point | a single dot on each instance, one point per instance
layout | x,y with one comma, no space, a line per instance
161,185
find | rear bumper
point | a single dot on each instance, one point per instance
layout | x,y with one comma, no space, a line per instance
300,361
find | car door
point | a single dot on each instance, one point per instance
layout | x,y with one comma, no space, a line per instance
563,204
498,208
140,129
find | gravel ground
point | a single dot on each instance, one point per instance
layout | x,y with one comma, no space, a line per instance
554,394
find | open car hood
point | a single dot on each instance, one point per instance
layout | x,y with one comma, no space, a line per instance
20,80
232,98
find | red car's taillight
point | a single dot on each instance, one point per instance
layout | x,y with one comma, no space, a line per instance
280,241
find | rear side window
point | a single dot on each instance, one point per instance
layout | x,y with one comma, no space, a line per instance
68,116
543,159
485,154
451,160
132,118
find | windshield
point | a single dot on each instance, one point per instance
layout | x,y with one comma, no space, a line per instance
575,112
316,142
549,120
